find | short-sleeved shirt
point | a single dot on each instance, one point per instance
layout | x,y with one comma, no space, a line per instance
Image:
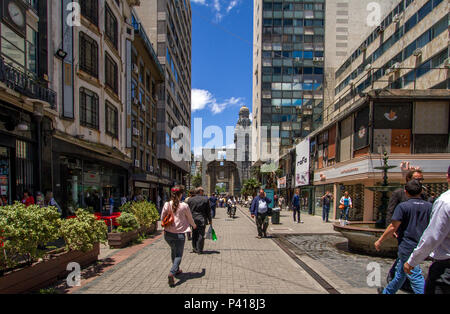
327,201
414,215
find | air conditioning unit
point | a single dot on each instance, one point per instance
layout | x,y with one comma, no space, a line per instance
395,67
417,52
136,132
143,107
151,168
388,71
380,29
318,59
136,101
130,33
363,47
397,18
351,83
135,69
136,163
447,63
368,67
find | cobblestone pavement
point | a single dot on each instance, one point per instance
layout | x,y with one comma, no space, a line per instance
332,253
237,263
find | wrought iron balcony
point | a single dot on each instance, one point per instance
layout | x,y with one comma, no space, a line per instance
22,83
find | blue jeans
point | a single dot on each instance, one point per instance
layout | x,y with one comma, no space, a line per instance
176,243
416,278
344,212
325,212
213,211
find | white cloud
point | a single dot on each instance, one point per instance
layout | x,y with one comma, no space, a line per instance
220,8
201,98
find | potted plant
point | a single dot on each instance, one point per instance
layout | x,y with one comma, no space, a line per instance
146,215
127,231
24,264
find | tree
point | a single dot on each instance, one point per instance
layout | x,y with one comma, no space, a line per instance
197,180
250,187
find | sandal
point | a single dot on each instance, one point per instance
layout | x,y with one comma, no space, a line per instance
179,272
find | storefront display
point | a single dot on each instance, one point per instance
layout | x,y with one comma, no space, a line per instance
5,176
319,191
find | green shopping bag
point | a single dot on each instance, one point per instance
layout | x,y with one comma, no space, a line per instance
214,237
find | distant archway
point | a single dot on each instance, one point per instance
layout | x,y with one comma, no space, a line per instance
224,173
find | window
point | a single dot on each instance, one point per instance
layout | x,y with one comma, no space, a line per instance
12,47
89,9
88,108
111,73
88,55
111,26
111,120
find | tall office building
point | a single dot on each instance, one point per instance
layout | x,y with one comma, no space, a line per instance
296,43
168,24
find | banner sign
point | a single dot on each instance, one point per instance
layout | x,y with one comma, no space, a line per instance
282,183
302,163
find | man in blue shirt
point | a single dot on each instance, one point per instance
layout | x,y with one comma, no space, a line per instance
296,206
409,221
260,210
213,204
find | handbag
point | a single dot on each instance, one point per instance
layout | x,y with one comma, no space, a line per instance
168,219
342,206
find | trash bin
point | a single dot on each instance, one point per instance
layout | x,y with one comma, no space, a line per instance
276,216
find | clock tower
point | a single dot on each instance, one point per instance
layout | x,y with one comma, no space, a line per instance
14,14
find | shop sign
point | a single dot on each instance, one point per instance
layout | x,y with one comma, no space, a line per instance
302,163
282,183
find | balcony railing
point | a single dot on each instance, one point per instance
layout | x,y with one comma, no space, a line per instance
138,29
20,82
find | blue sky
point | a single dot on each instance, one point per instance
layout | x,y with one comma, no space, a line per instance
222,36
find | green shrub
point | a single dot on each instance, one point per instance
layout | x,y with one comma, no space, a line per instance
145,212
126,208
24,229
82,232
127,222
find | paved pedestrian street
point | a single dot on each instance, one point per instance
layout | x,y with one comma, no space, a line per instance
237,263
296,259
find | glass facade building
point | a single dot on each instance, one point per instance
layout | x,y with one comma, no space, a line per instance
292,66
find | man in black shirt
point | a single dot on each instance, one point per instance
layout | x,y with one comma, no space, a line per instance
201,212
326,202
409,221
399,195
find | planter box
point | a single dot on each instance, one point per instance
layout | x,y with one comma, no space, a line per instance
121,239
148,230
42,274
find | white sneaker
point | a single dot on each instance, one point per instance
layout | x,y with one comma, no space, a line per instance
302,222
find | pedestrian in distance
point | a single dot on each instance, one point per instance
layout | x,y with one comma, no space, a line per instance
176,220
296,206
260,210
345,205
201,213
27,198
50,201
409,221
213,204
435,242
326,202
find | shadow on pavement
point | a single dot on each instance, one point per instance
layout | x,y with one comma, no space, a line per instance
188,276
210,252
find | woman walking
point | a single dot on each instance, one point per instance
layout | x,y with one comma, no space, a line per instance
176,218
346,203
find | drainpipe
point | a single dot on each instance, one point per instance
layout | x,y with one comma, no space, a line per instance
38,113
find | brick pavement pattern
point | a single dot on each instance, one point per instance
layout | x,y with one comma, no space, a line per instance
238,263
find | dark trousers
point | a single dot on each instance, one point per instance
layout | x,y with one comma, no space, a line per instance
296,212
325,212
262,222
438,280
176,243
213,211
198,237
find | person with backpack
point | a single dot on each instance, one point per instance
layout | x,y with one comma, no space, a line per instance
176,219
409,221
